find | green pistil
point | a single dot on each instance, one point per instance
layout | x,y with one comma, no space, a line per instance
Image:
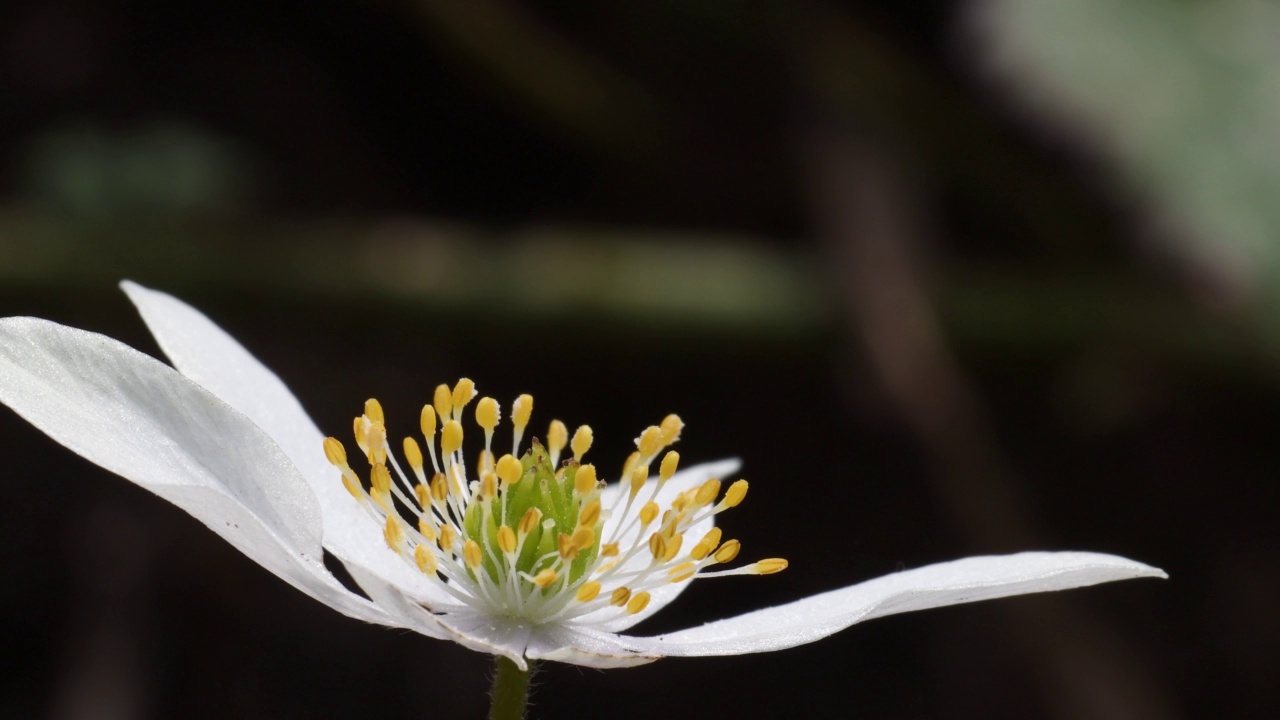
552,493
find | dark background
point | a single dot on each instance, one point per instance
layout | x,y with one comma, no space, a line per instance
933,301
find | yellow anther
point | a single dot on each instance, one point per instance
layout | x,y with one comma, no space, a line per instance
706,544
581,442
529,521
375,437
671,427
448,536
620,596
472,553
682,572
683,500
425,559
357,428
564,544
393,533
590,514
650,441
737,491
584,481
589,591
443,402
639,475
630,465
673,544
488,486
353,487
382,498
426,530
428,422
657,546
583,537
422,493
509,469
521,410
670,462
451,437
487,413
463,393
545,578
769,566
557,436
485,463
413,453
439,487
373,410
728,551
707,493
380,478
648,513
336,454
507,539
638,602
609,550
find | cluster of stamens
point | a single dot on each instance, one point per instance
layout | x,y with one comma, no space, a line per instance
526,539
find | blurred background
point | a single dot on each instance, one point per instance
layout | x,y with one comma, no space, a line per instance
953,277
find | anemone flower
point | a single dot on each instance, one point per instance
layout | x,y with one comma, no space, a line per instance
526,555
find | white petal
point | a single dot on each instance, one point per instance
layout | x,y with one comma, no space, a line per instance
580,646
205,353
139,419
662,595
951,583
477,631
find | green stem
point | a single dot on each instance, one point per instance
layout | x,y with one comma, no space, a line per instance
510,692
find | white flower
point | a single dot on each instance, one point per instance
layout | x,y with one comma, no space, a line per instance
520,561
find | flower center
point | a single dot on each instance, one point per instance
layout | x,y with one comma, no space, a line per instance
533,536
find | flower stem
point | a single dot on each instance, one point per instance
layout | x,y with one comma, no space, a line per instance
510,692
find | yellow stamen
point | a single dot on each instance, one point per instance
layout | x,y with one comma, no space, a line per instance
509,469
334,452
581,443
380,478
451,437
632,460
353,487
488,486
648,513
735,494
529,521
706,544
425,560
590,514
448,536
638,602
557,436
671,427
472,553
585,479
373,410
545,578
639,476
426,530
770,566
488,414
650,441
443,402
682,572
707,493
673,544
393,533
670,462
439,487
589,591
564,543
463,392
423,495
583,537
620,596
609,550
428,422
413,453
507,539
521,410
728,551
657,546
